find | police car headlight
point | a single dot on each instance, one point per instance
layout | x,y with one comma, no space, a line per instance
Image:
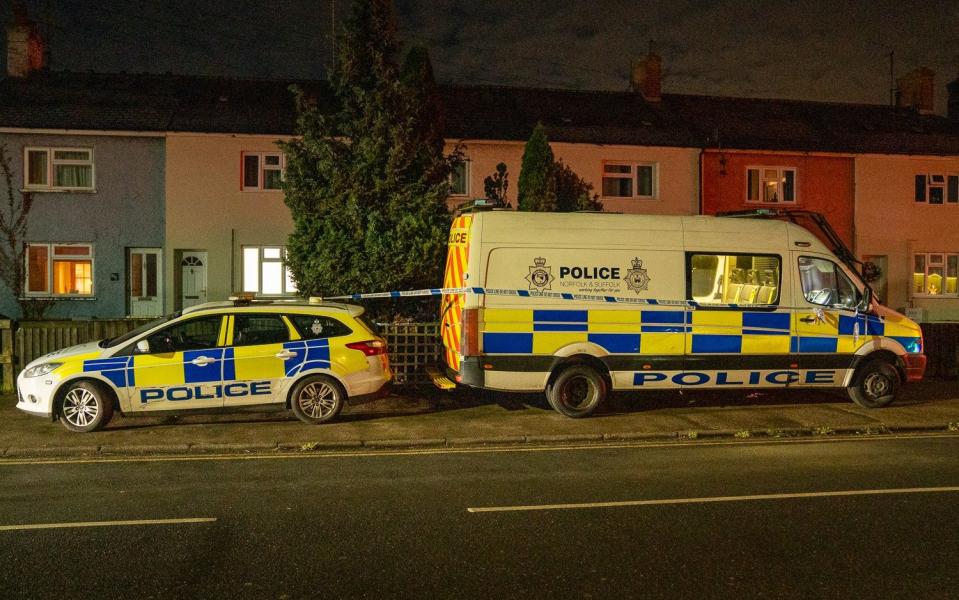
43,369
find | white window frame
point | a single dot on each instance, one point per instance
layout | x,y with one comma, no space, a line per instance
930,186
780,177
257,287
927,263
466,178
51,257
632,175
51,151
262,167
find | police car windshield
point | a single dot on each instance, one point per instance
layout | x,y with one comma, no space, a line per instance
126,337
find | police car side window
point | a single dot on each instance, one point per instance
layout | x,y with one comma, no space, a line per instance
195,334
253,329
313,327
739,279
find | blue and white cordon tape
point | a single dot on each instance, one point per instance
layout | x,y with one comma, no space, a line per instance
539,294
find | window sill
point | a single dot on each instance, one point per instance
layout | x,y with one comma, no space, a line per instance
256,191
936,296
59,298
757,203
58,190
643,198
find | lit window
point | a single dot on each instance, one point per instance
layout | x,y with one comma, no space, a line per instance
771,185
629,180
58,169
935,274
263,170
460,179
59,270
742,279
265,271
936,188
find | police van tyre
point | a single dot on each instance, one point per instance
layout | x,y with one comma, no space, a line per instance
317,399
86,406
876,384
577,391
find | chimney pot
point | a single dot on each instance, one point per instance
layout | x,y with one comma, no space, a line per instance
25,44
646,76
917,90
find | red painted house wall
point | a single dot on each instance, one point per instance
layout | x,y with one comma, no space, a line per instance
824,184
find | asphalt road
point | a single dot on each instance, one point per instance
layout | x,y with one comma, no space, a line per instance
399,525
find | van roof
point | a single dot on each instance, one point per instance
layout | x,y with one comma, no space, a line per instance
502,226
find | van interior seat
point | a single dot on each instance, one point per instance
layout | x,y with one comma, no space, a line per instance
733,292
748,295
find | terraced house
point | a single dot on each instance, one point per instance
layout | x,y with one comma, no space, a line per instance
174,181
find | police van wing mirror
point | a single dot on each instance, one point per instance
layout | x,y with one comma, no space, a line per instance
143,346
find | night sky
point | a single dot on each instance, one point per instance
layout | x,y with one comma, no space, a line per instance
831,50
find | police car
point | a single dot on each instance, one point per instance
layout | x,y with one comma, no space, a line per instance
310,358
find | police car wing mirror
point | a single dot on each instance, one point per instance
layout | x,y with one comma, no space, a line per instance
143,346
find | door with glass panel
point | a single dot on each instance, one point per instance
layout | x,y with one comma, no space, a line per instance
192,278
146,298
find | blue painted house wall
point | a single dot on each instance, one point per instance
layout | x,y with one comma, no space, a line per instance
126,210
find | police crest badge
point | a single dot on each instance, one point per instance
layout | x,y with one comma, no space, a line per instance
540,276
637,279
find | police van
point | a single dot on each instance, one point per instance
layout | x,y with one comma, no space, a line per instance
311,358
578,304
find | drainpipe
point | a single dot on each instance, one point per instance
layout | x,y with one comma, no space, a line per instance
701,151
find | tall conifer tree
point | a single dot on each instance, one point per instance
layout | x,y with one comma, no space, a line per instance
367,179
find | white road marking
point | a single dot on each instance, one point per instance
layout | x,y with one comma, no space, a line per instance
371,452
105,524
712,499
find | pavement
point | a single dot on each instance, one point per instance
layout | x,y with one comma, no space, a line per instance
430,418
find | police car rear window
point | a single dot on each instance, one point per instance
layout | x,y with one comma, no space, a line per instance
253,329
313,327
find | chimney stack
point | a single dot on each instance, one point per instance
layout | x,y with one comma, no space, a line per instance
953,108
25,45
647,75
917,89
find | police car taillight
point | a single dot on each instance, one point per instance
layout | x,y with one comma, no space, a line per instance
369,347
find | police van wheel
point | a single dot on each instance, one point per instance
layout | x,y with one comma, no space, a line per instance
876,385
317,399
577,391
85,407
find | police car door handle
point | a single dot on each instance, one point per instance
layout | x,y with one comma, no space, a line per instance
809,319
286,354
202,361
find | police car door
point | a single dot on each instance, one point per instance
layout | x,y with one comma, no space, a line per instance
182,369
828,328
259,359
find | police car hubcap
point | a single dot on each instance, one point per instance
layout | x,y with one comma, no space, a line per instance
578,392
80,407
318,400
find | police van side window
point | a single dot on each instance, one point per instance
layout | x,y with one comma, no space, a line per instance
253,329
824,283
741,279
195,334
313,327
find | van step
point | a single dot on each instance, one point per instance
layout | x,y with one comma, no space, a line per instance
439,380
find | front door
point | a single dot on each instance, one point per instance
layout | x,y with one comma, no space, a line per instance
259,358
144,279
183,369
193,278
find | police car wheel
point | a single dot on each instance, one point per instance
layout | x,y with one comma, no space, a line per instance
876,385
317,399
577,391
85,407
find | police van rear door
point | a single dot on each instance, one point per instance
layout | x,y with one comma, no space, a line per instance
451,307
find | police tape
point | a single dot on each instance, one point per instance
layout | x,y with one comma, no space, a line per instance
544,295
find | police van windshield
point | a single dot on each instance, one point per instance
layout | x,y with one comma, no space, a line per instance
126,337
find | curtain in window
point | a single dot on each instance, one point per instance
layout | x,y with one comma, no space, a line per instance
74,176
